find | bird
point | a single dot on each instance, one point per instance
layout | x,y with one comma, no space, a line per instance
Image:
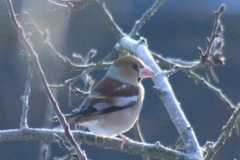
114,103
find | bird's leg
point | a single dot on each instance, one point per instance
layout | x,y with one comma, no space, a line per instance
125,139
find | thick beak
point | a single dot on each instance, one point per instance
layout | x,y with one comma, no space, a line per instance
146,72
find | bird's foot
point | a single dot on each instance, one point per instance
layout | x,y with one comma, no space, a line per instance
125,139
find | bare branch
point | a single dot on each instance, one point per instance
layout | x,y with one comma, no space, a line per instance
145,17
74,5
58,3
138,135
34,58
91,67
215,90
109,19
182,64
213,55
45,38
216,24
188,68
76,66
25,97
156,151
225,134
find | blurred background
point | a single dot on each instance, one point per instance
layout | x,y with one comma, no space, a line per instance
177,29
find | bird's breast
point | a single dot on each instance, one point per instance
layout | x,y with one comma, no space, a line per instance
111,124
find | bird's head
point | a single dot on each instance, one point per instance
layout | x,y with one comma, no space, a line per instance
129,69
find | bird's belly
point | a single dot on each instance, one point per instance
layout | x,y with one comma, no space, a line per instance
117,122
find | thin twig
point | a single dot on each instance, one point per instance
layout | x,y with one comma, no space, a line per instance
214,33
225,134
25,97
188,68
182,64
138,136
145,17
109,19
57,3
34,58
213,55
47,40
93,67
215,90
74,5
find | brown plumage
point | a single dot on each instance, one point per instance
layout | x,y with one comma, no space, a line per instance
115,102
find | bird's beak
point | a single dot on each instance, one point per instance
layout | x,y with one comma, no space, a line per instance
146,72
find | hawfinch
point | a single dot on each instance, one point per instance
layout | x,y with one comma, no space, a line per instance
114,104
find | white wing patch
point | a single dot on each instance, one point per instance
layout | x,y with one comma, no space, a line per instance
122,87
124,101
118,101
106,102
101,105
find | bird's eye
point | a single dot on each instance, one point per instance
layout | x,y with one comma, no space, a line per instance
135,67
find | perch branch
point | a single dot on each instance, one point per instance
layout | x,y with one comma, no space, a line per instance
156,151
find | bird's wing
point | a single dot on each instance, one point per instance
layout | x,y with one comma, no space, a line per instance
107,96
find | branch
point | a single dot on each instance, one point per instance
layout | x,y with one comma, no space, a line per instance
225,134
72,4
46,39
145,17
138,136
167,96
181,64
156,151
216,25
213,55
188,68
215,90
25,97
111,24
34,58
